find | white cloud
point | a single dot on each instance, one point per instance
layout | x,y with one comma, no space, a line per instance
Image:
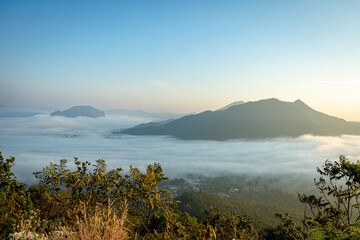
161,85
40,139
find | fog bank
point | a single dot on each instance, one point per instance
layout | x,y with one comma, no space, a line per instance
35,141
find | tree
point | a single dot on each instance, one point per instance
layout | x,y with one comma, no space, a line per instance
61,190
145,196
286,230
339,202
166,224
228,226
351,232
14,201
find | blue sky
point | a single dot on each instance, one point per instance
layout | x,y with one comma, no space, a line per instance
180,56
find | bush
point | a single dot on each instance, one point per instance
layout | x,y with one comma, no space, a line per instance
14,201
339,202
286,230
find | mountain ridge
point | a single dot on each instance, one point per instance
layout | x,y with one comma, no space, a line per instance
267,118
231,105
80,111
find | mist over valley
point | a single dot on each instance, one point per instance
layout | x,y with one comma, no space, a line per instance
37,140
179,120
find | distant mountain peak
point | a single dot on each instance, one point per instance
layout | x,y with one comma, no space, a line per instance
301,104
231,105
270,100
80,111
82,106
267,118
298,101
278,101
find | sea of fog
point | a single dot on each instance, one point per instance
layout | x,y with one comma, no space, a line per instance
35,141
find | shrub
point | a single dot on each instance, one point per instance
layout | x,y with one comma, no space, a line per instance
14,201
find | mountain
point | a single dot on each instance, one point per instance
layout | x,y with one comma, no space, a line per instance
80,111
268,118
231,105
142,114
145,125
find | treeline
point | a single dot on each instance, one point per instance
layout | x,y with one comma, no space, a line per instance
262,215
256,197
92,202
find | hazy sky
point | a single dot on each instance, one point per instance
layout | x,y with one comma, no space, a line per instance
180,56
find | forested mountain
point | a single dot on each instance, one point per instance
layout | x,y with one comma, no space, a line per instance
80,111
268,118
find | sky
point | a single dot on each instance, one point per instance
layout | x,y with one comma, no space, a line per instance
180,56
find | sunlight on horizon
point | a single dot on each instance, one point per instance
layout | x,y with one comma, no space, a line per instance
180,57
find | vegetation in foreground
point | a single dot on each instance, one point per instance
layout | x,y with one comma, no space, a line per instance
94,203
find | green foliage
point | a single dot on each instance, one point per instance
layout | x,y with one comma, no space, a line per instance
65,197
166,224
145,196
196,203
61,190
286,230
14,201
229,226
339,202
327,232
264,189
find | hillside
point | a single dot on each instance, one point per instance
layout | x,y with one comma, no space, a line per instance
80,111
268,118
196,203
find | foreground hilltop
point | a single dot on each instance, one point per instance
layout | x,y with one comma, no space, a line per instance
80,111
268,118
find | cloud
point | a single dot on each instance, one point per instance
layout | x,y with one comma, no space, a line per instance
159,84
38,140
42,123
162,85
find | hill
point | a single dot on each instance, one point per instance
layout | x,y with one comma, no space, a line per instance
80,111
268,118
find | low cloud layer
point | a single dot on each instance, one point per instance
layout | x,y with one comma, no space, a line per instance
36,141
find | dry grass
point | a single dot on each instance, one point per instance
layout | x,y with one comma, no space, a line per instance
100,224
96,224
